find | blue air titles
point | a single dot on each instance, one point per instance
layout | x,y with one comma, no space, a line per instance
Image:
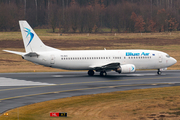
137,54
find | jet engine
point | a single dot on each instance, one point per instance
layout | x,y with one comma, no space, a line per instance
128,68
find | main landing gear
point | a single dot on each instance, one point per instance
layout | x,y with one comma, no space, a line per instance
102,73
159,72
90,72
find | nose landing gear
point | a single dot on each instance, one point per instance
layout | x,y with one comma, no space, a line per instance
159,72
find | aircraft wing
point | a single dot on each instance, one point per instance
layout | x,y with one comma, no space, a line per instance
109,66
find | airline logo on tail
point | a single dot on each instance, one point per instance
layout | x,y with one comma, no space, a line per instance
29,33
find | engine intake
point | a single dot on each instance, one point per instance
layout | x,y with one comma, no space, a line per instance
128,68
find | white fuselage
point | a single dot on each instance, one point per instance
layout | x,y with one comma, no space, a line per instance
88,59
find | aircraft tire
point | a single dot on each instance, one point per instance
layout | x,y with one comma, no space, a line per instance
103,73
90,72
159,72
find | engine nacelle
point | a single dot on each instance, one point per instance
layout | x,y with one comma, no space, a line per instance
128,68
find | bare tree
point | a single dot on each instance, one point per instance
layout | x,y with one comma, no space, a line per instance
25,8
36,10
53,19
110,17
73,13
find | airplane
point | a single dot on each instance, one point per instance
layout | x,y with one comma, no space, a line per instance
103,61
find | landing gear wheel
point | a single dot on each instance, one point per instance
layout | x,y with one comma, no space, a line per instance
90,72
159,72
103,73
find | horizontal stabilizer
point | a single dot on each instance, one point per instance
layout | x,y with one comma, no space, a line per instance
15,52
32,54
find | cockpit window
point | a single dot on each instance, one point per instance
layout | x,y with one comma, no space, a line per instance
167,56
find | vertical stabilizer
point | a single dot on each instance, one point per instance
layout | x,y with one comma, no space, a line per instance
32,42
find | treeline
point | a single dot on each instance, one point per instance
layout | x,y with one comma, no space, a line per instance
92,15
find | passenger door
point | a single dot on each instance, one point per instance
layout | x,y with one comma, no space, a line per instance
160,58
52,61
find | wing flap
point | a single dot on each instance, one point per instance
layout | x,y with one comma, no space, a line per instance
109,66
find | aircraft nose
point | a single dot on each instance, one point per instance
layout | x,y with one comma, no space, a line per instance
173,61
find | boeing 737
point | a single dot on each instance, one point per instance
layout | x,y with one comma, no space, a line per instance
120,61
